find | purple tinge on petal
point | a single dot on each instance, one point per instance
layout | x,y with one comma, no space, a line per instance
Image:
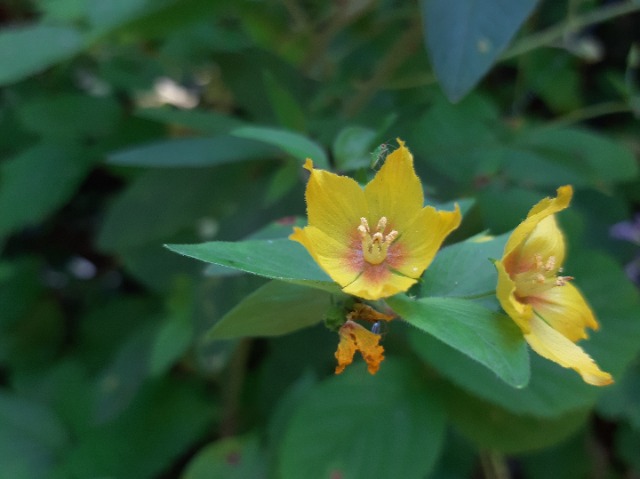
627,230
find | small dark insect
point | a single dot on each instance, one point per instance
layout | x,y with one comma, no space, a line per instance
377,327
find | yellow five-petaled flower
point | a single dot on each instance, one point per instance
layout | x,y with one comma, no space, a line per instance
377,241
549,310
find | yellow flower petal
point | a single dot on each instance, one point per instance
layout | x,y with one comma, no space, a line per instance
543,209
377,282
546,240
342,263
335,203
396,190
354,337
566,311
421,239
520,312
549,343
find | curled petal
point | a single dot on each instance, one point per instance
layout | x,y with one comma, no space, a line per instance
545,240
520,312
566,311
354,337
365,312
549,343
543,209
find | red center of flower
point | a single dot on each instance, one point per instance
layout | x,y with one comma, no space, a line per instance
375,245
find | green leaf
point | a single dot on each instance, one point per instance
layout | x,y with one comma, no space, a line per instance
287,109
461,157
231,458
274,309
492,427
70,116
281,259
175,334
465,37
198,120
485,336
193,152
30,49
56,169
295,144
355,425
593,158
354,148
31,438
464,269
167,419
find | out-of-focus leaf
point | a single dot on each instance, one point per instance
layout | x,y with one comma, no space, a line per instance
32,48
167,419
161,203
354,148
464,269
622,401
344,427
197,120
31,438
485,336
194,152
465,37
122,379
37,182
627,444
492,427
438,137
231,458
176,331
274,309
287,109
553,390
589,155
554,75
281,259
62,10
70,116
104,16
295,144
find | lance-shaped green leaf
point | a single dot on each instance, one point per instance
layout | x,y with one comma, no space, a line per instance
194,152
273,309
30,49
489,338
465,37
295,144
272,258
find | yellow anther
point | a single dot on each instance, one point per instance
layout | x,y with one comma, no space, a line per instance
375,246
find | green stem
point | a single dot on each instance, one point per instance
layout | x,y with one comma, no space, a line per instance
494,465
233,390
556,32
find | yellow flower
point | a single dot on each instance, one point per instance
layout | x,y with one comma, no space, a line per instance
377,241
549,310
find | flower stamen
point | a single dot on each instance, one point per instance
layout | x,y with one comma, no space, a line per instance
376,245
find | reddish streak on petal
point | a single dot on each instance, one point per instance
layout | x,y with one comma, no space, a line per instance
376,273
395,255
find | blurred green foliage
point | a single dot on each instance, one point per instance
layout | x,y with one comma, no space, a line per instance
131,124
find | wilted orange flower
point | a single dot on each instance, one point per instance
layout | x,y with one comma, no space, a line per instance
354,337
549,310
377,241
